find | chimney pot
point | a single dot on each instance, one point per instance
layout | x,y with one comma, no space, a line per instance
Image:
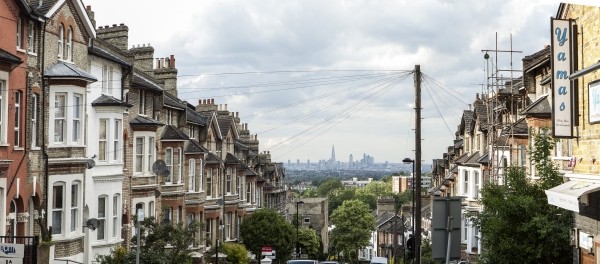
89,8
114,25
225,107
122,24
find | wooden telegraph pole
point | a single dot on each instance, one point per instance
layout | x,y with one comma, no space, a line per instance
417,163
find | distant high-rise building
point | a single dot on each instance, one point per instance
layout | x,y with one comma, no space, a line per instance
333,154
350,159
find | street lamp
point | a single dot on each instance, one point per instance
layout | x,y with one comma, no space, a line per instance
297,228
408,161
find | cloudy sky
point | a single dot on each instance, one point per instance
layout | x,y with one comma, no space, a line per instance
307,75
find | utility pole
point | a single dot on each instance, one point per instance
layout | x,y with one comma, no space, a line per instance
417,163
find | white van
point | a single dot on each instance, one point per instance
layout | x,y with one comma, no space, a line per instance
379,260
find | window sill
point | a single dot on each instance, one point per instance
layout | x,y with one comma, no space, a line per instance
32,53
102,243
65,146
18,148
4,145
20,50
36,148
68,237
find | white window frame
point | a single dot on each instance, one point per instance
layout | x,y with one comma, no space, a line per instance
18,115
102,218
76,189
209,183
228,186
4,108
61,41
19,33
73,120
147,157
465,182
58,207
107,80
103,129
31,37
34,120
180,166
192,175
60,115
116,202
116,139
169,163
476,184
69,44
191,131
201,176
77,105
142,103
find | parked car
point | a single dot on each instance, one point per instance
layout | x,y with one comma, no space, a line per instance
302,261
379,260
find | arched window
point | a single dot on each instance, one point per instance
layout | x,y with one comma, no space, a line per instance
69,44
61,37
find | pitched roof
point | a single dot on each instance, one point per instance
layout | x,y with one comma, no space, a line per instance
108,55
466,123
225,123
172,133
213,159
232,159
173,102
61,70
7,57
481,114
472,159
194,117
462,158
193,146
541,108
143,121
518,128
537,59
105,100
145,82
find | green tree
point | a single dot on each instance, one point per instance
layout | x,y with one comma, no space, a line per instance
266,227
337,197
517,223
236,253
373,191
353,223
162,243
329,185
309,242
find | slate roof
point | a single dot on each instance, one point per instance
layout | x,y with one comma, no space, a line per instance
6,56
250,172
172,133
194,117
462,158
193,146
518,128
144,82
63,70
485,159
173,102
541,108
111,56
106,100
143,120
232,159
481,114
467,122
472,159
45,7
225,122
212,159
240,145
534,60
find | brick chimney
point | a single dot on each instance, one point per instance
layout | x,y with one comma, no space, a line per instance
117,35
205,105
166,73
143,56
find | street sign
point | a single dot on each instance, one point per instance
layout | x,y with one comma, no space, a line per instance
12,250
11,261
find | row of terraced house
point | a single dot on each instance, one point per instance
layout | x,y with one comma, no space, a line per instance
558,90
93,129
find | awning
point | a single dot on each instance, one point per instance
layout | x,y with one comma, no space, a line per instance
567,194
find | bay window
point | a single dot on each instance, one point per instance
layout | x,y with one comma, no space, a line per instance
192,175
67,125
101,216
58,200
169,162
102,138
144,153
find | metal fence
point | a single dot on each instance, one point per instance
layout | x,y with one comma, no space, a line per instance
30,242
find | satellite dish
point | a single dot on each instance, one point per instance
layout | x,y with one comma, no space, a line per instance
90,163
159,167
92,223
